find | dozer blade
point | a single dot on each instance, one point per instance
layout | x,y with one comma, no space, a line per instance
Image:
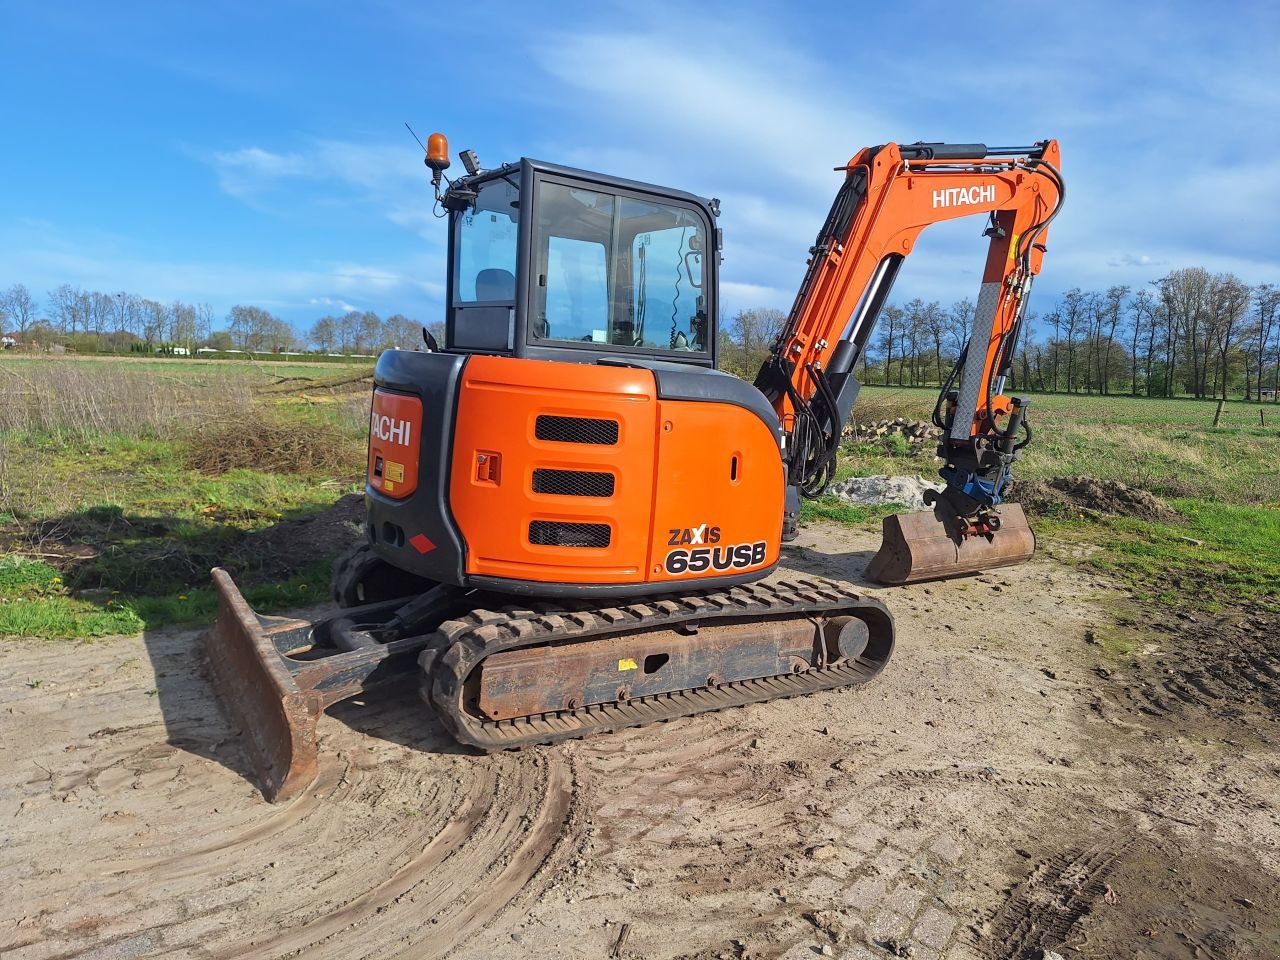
926,546
276,675
276,718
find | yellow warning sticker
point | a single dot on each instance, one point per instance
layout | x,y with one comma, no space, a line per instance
393,471
388,485
626,664
1013,246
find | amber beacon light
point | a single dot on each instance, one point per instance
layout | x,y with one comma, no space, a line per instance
438,152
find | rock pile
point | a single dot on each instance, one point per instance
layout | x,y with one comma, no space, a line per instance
873,491
916,431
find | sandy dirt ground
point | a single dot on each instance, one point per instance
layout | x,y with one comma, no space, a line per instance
1007,786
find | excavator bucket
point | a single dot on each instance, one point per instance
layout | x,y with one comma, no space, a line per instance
925,545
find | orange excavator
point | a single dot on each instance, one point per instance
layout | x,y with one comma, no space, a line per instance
571,511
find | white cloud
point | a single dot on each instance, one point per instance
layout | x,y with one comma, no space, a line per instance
1165,160
328,303
1144,260
387,181
736,296
247,172
756,105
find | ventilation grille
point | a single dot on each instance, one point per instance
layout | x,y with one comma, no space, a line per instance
576,430
573,483
557,533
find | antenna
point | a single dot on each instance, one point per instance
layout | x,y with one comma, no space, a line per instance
414,135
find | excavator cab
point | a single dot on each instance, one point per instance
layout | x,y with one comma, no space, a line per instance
553,263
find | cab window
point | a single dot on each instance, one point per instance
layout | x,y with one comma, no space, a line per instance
486,241
616,270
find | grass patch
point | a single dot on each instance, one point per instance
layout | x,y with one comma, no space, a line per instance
840,511
123,573
1167,447
23,577
64,618
1222,555
112,526
34,602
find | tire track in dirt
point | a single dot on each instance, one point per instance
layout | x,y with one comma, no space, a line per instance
1227,672
403,847
1043,909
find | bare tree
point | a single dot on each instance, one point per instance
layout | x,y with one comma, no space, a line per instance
151,316
959,323
1053,348
324,334
183,319
102,312
913,334
1184,294
204,322
934,325
1266,311
1074,318
258,330
1112,310
67,304
1140,325
1022,359
754,332
19,307
890,327
348,330
369,333
1229,302
402,333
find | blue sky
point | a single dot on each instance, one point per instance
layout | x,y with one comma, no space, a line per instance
255,152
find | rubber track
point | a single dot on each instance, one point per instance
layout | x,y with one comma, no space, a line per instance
462,645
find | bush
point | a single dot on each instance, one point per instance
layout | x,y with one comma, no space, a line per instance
268,441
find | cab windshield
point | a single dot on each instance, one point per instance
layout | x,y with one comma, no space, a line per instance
617,270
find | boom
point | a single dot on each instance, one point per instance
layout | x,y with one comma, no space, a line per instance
889,195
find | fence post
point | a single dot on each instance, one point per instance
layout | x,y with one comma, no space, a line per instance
1218,415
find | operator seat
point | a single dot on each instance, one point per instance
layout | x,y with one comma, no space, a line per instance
494,283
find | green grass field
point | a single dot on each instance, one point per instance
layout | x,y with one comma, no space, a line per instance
1168,447
1224,483
122,481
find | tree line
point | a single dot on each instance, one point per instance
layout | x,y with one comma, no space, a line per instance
1191,333
92,321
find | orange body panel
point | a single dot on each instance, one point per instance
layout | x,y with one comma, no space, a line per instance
720,482
672,466
499,402
395,429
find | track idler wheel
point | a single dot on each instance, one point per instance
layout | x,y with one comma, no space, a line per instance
361,577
